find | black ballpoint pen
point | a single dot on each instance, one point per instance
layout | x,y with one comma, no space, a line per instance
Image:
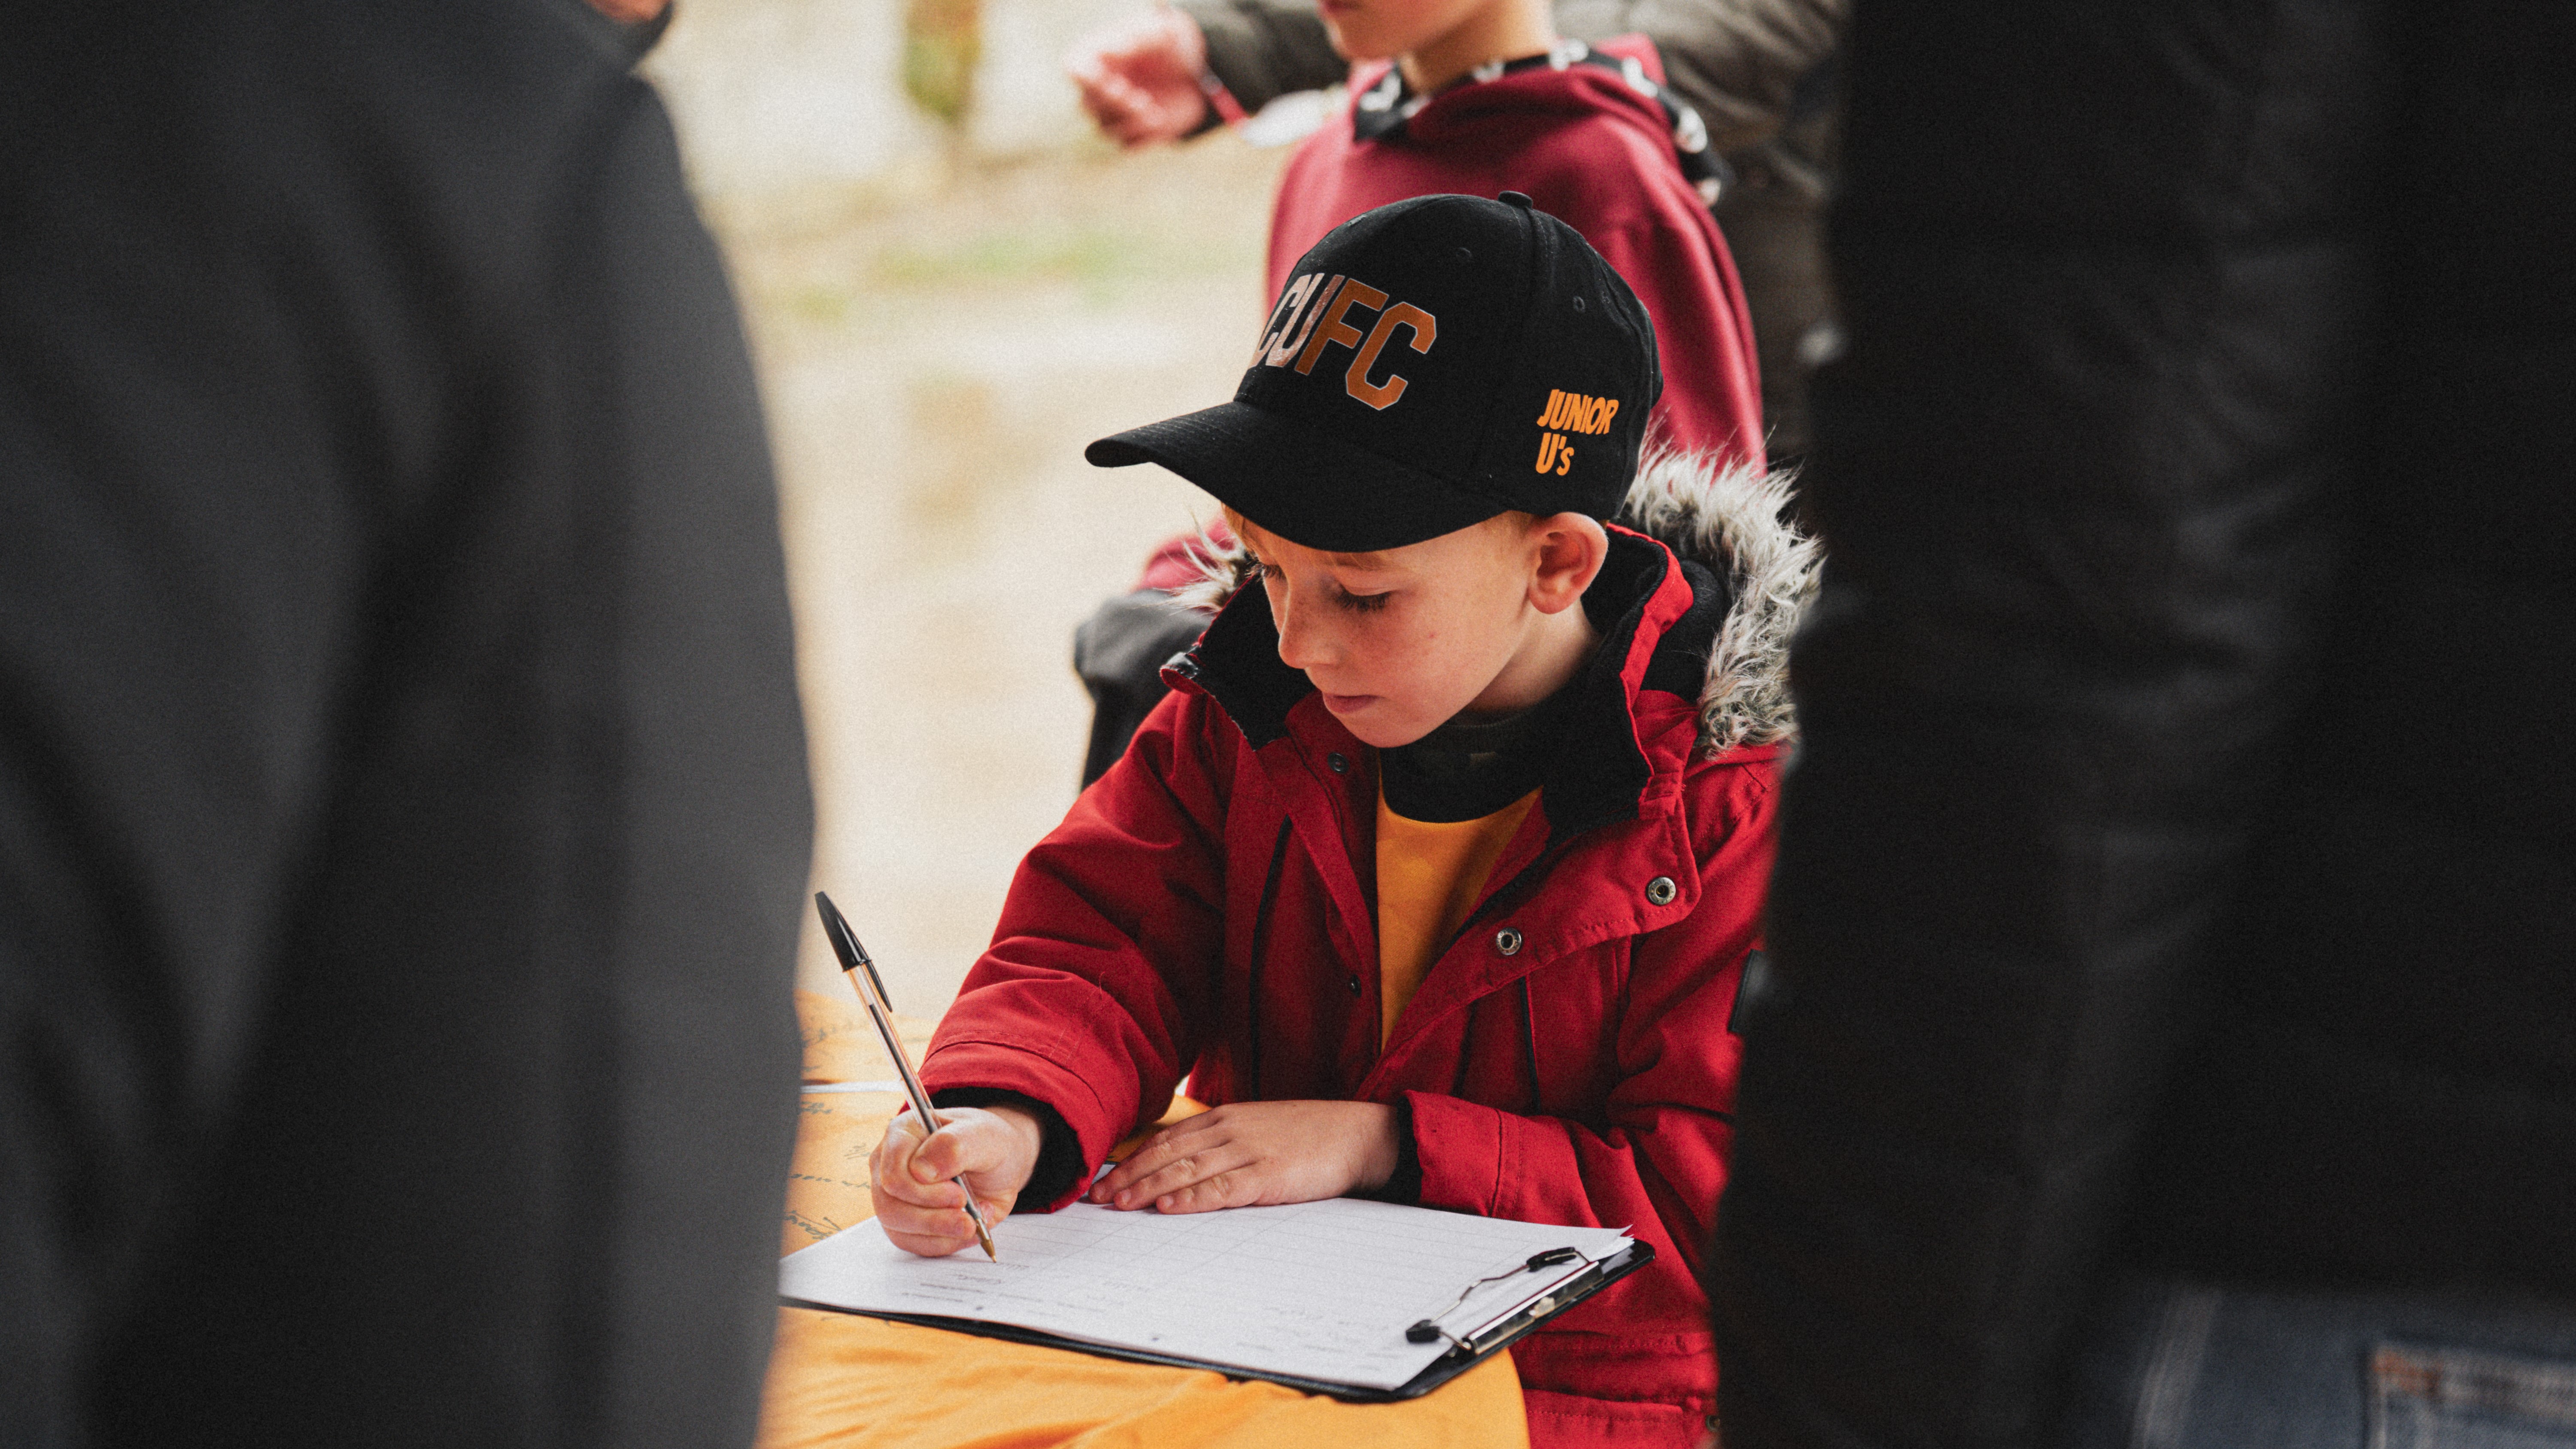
872,992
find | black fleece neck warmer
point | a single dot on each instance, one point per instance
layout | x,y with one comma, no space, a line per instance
1466,771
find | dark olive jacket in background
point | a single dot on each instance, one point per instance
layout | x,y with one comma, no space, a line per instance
402,798
2179,873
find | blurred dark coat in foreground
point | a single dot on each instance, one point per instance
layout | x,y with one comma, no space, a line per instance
2179,876
402,797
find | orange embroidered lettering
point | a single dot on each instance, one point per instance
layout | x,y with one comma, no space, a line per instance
1382,395
1293,336
1555,397
1283,318
1353,293
1564,456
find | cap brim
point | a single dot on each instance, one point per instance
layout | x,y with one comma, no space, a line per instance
1296,481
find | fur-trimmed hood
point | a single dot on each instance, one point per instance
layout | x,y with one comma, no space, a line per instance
1728,519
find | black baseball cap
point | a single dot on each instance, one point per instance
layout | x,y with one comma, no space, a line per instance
1429,364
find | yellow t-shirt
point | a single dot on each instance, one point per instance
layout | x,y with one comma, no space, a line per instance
1428,877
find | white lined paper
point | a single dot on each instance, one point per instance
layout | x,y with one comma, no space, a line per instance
1319,1290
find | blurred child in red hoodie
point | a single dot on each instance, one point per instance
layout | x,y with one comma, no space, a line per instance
1479,97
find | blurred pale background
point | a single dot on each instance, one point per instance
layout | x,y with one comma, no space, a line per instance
951,287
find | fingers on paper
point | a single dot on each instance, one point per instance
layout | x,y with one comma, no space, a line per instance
934,1239
1173,1177
938,1232
1153,1154
1229,1188
1192,1166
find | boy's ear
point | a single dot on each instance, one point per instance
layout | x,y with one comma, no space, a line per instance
1568,549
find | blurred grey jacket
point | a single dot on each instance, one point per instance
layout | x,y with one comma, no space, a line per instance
402,798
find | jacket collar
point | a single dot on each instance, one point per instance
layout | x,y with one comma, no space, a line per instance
1658,619
1384,108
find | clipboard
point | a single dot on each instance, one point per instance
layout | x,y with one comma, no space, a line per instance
1492,1338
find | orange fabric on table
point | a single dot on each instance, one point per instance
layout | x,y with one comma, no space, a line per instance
849,1382
1429,874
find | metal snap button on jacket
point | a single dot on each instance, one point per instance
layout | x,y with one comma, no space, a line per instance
1340,765
1507,941
1661,890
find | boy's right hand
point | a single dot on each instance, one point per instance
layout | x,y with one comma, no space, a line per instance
994,1149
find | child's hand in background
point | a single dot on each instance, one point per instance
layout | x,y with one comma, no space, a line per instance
1251,1153
1139,77
995,1149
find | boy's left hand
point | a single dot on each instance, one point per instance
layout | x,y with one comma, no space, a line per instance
1250,1154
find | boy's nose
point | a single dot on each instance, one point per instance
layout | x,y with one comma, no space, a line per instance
1299,644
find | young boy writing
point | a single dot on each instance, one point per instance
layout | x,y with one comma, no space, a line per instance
1436,872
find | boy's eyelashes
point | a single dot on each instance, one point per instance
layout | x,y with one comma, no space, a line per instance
1357,603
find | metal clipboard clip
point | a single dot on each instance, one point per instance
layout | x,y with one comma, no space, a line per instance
1520,1319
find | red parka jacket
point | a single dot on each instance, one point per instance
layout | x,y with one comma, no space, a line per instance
1206,912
